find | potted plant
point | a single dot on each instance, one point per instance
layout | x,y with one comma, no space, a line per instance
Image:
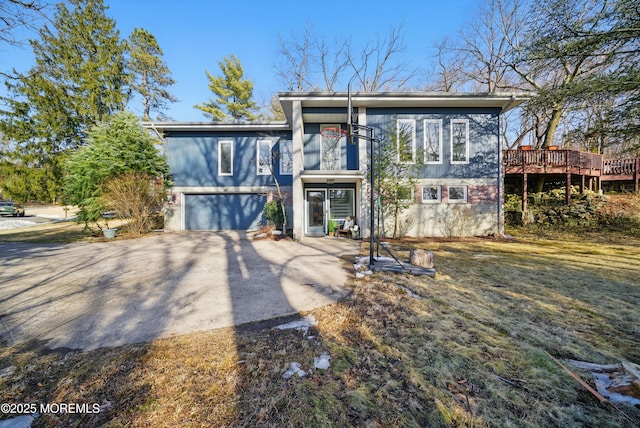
332,227
108,232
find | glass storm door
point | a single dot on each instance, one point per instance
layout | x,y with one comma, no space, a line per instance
316,200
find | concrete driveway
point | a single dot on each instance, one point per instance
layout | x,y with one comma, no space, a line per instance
92,295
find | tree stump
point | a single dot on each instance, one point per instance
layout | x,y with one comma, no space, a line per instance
419,257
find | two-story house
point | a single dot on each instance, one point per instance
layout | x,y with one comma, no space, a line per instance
224,173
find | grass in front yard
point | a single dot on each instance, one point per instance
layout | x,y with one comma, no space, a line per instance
471,351
61,232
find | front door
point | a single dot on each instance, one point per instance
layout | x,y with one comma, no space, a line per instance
316,200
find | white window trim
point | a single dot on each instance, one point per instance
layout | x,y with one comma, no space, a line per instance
290,144
458,201
260,169
432,201
466,123
412,122
440,154
220,144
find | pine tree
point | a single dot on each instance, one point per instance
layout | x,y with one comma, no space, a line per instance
150,73
233,93
115,148
78,81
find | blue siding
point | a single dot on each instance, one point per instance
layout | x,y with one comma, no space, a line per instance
484,141
224,211
193,159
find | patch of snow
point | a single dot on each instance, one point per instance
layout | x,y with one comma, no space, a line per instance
301,325
294,368
483,256
276,232
7,371
322,362
260,235
15,224
409,292
613,379
23,421
51,216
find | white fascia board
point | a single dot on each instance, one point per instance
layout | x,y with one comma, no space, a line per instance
214,126
504,101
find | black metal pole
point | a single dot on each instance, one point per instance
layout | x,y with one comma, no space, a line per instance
372,201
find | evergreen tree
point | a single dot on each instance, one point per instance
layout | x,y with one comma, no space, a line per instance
233,93
150,73
115,148
79,80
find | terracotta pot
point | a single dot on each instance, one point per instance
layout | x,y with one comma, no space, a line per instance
525,147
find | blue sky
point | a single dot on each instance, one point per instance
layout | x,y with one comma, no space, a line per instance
196,34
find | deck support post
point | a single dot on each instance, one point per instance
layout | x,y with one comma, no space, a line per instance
524,192
582,179
636,176
568,190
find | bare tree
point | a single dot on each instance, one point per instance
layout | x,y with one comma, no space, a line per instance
448,75
333,61
296,61
309,62
376,66
18,15
484,46
267,160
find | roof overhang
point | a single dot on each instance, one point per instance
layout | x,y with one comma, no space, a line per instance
162,127
502,101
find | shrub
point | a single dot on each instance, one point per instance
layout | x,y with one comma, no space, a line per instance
137,197
273,213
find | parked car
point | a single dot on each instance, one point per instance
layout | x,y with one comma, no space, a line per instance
9,208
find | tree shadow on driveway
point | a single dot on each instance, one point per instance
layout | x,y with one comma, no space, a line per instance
87,296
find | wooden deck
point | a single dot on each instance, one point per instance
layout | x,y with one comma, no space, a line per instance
552,162
592,169
621,170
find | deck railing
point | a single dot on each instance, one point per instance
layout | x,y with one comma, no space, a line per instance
619,166
552,158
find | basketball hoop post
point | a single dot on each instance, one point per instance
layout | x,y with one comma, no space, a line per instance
353,135
371,138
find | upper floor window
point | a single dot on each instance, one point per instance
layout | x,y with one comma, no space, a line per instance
459,141
225,157
331,147
263,157
286,157
406,140
433,140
